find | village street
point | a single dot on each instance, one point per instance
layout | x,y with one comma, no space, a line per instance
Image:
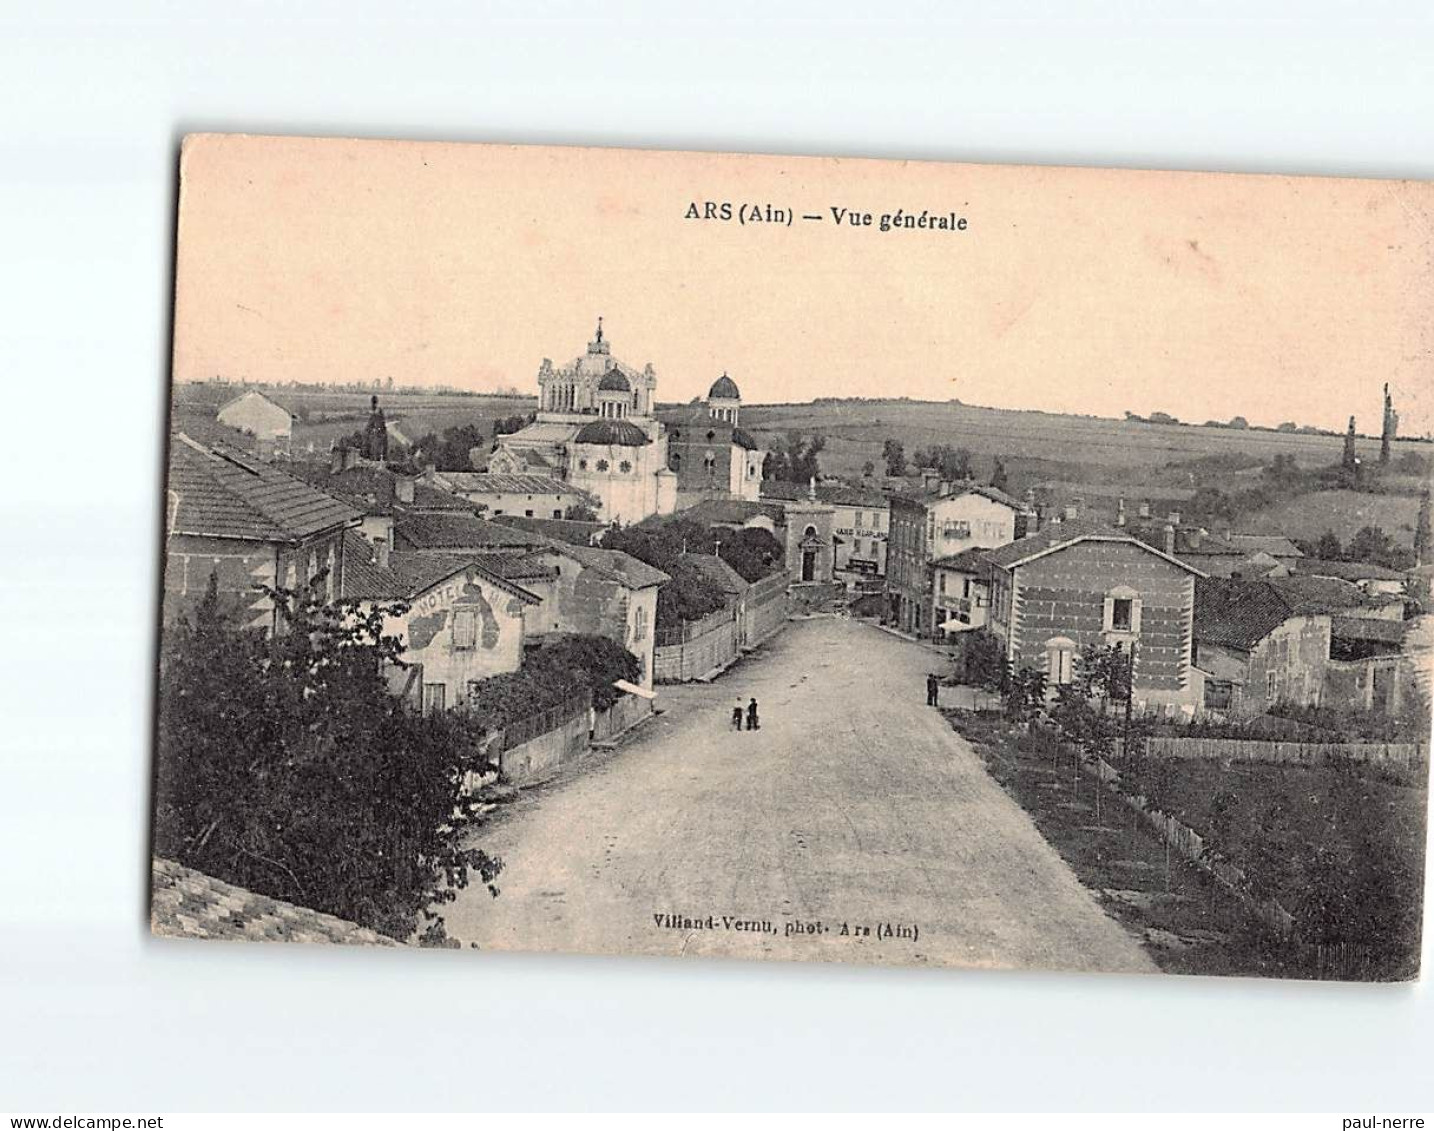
854,804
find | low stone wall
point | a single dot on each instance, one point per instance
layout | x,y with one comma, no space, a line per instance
627,712
546,752
765,611
698,648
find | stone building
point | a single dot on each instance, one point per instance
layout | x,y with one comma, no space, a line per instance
709,452
1072,584
860,523
270,423
248,524
940,522
596,431
1254,649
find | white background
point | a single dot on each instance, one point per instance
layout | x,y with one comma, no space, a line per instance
95,1016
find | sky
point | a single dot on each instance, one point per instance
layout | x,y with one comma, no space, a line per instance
1070,290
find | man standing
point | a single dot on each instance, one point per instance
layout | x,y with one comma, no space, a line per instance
752,715
933,686
737,715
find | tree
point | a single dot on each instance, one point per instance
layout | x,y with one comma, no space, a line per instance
1239,422
998,476
952,463
1349,461
580,512
1327,547
285,766
895,456
753,552
868,469
794,458
450,451
1423,547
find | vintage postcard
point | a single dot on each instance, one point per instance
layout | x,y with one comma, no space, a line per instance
811,559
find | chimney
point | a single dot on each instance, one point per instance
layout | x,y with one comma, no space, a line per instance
1223,532
1170,539
930,478
1144,511
1193,536
1070,512
944,488
1174,519
380,549
403,488
1120,512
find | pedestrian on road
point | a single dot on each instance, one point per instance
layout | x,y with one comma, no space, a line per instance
752,715
933,690
737,715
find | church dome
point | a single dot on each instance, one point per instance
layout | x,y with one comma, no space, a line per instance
724,388
608,432
613,381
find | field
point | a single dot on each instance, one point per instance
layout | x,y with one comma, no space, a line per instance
1048,445
1344,512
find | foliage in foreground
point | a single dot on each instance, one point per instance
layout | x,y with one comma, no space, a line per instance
286,767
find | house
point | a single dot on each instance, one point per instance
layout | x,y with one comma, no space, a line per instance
934,524
1377,665
739,514
1374,580
1338,598
709,452
529,496
597,592
577,532
860,524
961,593
1254,648
464,618
247,524
1072,584
270,423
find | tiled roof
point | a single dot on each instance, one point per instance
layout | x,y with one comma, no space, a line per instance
189,904
922,496
718,572
1390,632
493,483
1057,535
374,490
1236,613
1276,545
458,532
200,424
563,529
1349,571
970,561
616,564
1320,594
227,494
409,574
734,512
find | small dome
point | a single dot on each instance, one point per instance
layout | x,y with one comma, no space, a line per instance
724,388
614,382
608,432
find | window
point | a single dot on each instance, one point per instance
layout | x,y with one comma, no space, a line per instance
956,528
1219,694
676,435
1270,686
434,696
625,467
558,513
675,461
329,579
711,435
313,566
602,465
1122,610
810,532
465,628
1060,660
582,465
639,623
528,513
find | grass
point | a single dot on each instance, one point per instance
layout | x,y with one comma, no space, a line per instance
1365,819
1344,512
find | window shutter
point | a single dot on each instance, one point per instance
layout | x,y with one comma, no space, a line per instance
1109,616
1135,615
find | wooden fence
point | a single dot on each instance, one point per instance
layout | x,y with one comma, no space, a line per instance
1404,755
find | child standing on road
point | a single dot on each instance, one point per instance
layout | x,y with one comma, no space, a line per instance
752,715
737,716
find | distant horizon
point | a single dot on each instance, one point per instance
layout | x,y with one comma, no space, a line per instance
358,387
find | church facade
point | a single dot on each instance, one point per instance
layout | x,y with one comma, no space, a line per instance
597,429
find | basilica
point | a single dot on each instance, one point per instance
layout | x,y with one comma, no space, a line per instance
597,429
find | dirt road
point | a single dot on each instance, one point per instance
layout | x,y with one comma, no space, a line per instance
854,825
